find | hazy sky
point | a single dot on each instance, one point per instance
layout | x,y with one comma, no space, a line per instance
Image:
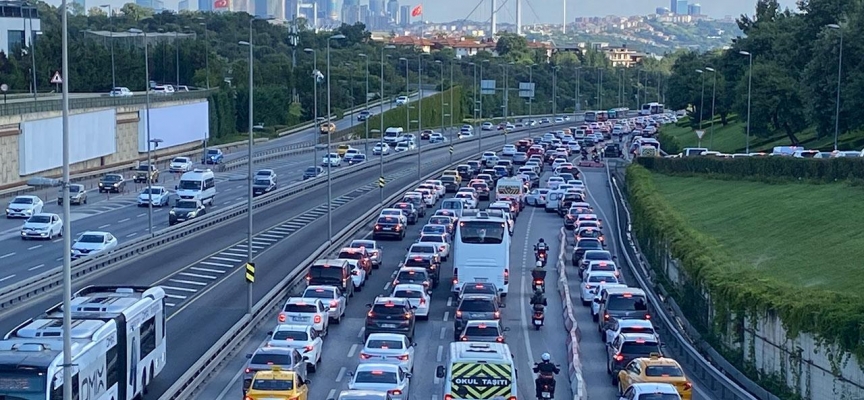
544,11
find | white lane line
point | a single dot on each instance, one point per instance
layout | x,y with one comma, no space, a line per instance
331,394
449,302
56,240
254,247
226,259
440,354
263,241
188,282
523,312
58,258
170,304
12,254
215,271
215,264
238,199
197,275
360,334
271,236
282,231
34,247
8,277
36,267
443,331
132,234
140,215
225,253
352,350
387,286
446,315
341,374
181,289
103,226
174,296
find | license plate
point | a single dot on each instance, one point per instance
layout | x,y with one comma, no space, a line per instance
388,325
538,322
546,395
388,228
299,319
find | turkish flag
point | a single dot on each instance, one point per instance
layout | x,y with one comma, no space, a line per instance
417,11
220,4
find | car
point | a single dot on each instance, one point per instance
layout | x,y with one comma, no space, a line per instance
483,288
629,346
401,100
396,213
112,183
381,149
180,165
388,348
584,245
185,210
655,369
537,197
483,331
325,128
439,186
213,156
347,152
265,358
487,126
158,196
437,137
415,275
390,315
363,115
430,250
470,199
650,391
364,259
416,295
447,221
481,188
303,338
433,191
307,311
417,200
330,295
379,376
24,207
42,226
277,384
375,251
553,182
451,183
77,195
432,229
592,280
465,134
357,159
405,146
590,232
595,304
474,307
620,326
332,159
312,172
362,395
93,243
442,240
412,214
120,92
358,275
509,150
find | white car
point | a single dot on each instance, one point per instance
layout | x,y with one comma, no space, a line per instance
42,226
468,198
24,207
620,326
372,247
601,266
394,212
509,127
91,243
350,153
442,240
553,182
558,162
330,295
437,137
644,391
157,195
576,182
313,312
589,286
401,100
595,306
508,150
405,146
306,340
358,274
332,159
381,377
439,187
487,126
465,134
381,148
388,348
427,196
431,189
417,296
181,164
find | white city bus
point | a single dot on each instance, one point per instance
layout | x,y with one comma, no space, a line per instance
118,345
481,252
651,109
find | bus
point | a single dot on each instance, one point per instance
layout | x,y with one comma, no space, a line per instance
620,112
651,109
481,252
596,116
118,345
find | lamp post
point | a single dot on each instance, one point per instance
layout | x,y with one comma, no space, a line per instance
315,76
701,102
480,131
250,163
451,102
407,109
177,58
713,99
366,105
749,94
113,70
419,109
32,47
67,232
839,75
381,121
530,98
329,143
147,124
206,51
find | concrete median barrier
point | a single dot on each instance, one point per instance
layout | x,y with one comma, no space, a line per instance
574,362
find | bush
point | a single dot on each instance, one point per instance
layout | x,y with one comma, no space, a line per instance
769,169
431,114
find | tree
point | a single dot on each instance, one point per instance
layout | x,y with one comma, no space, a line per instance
776,105
136,12
96,12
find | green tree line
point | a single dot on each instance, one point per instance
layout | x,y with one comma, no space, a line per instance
795,57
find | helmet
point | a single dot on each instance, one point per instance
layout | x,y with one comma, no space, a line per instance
546,357
539,264
541,240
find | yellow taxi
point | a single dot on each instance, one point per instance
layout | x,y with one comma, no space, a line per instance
342,149
454,173
655,369
277,384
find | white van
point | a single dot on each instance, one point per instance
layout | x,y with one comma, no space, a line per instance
552,200
457,205
393,135
199,184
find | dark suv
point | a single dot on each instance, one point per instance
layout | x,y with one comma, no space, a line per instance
387,226
428,261
450,184
474,307
390,315
628,346
410,211
584,245
112,183
484,288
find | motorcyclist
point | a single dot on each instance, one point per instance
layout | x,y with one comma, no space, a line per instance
538,300
538,273
546,372
540,247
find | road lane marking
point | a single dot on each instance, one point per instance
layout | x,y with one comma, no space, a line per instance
12,254
443,331
56,240
341,374
181,289
197,275
34,247
387,286
440,354
36,267
123,220
225,253
140,215
271,236
131,234
8,277
446,315
226,259
215,264
331,394
449,302
174,296
188,282
360,334
522,284
352,350
215,271
103,226
170,304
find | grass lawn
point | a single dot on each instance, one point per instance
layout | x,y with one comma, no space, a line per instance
731,138
806,235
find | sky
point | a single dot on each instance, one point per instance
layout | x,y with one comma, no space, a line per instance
534,11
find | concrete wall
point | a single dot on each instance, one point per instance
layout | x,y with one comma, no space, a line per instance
126,141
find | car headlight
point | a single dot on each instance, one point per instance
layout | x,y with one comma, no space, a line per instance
172,212
191,214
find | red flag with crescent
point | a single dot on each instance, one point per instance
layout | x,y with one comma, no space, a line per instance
220,4
417,11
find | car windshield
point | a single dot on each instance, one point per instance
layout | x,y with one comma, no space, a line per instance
152,191
659,396
434,229
422,249
602,278
301,308
481,289
597,256
601,266
271,359
91,239
262,182
375,377
640,348
432,238
408,294
180,160
290,335
448,179
272,384
325,275
39,219
589,244
486,232
311,170
143,168
477,305
363,243
73,189
626,302
663,370
387,309
319,293
212,152
190,185
479,330
384,344
187,204
22,200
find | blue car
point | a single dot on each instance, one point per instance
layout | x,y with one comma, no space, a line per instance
213,156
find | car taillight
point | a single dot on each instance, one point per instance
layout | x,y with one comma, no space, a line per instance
317,319
403,357
497,314
407,315
247,398
587,286
499,339
248,370
370,314
398,227
506,276
463,338
449,397
647,316
377,227
281,317
422,301
606,316
441,248
619,357
458,314
395,392
333,303
688,386
364,356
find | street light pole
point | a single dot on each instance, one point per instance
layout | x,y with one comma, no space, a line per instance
713,99
250,163
749,94
554,88
480,131
67,231
407,90
177,57
329,143
206,52
419,109
366,106
531,97
113,71
701,102
839,75
315,73
381,121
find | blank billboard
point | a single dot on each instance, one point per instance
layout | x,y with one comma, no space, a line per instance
175,125
91,135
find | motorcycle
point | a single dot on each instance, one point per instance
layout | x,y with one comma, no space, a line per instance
537,319
539,284
545,384
541,256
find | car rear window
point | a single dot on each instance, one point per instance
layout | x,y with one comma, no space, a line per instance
271,359
384,344
272,384
408,294
640,348
388,220
351,255
477,305
637,329
663,370
301,308
290,335
481,331
410,276
626,302
383,309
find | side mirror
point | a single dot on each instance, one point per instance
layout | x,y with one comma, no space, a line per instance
176,187
368,305
249,355
440,372
408,375
413,344
350,373
597,301
307,381
269,333
306,358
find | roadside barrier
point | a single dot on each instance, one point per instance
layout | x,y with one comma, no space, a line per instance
574,334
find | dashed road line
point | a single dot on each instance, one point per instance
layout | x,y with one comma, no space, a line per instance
352,350
123,220
215,271
226,259
103,226
174,296
183,281
446,315
34,247
36,267
181,289
12,254
197,275
6,278
215,264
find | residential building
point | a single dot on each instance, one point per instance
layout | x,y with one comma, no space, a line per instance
155,5
351,12
622,56
19,25
694,9
405,16
673,6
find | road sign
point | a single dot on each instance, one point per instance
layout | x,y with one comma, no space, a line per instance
487,86
250,272
700,133
381,182
451,149
526,89
56,79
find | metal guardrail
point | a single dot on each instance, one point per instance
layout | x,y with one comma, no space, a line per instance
49,105
716,381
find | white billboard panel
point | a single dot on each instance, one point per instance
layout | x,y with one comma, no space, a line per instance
487,86
526,89
91,135
175,125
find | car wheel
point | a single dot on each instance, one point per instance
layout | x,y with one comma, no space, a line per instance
614,379
311,367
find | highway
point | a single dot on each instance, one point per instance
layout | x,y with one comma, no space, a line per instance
201,276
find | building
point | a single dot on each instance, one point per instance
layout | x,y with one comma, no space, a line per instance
673,6
19,25
376,7
205,5
622,56
393,11
155,5
351,12
269,9
694,9
681,7
661,11
404,16
183,5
